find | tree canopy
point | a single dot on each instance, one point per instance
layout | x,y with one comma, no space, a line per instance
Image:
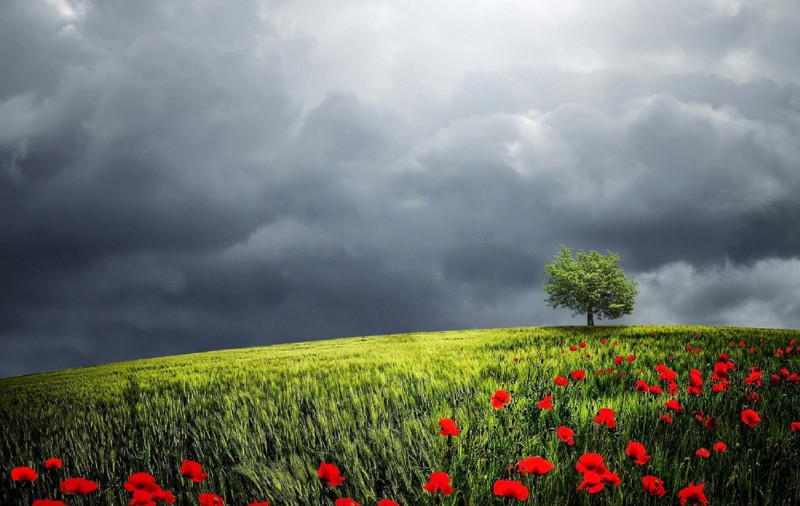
590,283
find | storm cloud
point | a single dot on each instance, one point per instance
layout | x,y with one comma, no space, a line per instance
194,175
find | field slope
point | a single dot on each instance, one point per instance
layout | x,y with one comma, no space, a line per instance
261,420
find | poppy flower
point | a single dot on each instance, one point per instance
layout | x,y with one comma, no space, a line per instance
592,482
618,359
565,434
605,416
266,503
699,414
193,470
500,399
641,385
582,344
702,453
53,462
23,474
142,498
163,496
653,486
80,486
211,500
711,423
590,462
795,426
346,501
448,427
720,447
561,381
666,419
439,481
750,418
330,474
603,341
511,489
637,453
654,390
693,493
388,502
140,481
545,403
47,502
536,466
673,405
630,358
578,375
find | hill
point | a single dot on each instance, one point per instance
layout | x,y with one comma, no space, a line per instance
261,420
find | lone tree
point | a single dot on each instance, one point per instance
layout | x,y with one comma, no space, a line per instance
591,283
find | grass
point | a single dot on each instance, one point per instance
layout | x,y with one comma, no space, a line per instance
260,420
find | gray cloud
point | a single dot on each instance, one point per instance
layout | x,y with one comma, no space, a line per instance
186,176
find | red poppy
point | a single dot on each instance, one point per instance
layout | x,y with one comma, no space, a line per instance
439,481
702,453
388,502
630,358
448,427
330,474
516,359
266,503
673,405
618,359
47,502
142,498
711,423
653,486
565,434
211,500
511,489
545,403
193,470
582,344
561,381
637,453
536,466
163,496
641,385
655,390
605,416
750,418
666,419
578,375
592,482
795,426
79,486
603,341
500,399
573,348
346,501
23,474
693,493
720,447
140,481
590,462
53,462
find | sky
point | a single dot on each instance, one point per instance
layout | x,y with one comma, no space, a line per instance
189,175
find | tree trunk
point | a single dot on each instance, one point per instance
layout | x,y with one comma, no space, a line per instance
589,317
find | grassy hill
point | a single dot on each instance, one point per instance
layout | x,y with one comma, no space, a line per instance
260,420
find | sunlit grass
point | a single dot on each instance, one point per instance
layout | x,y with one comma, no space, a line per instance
260,420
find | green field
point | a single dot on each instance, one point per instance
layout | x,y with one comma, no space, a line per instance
260,420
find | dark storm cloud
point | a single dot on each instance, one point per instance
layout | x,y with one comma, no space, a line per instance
188,176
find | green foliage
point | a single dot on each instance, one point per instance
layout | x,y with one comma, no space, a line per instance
591,284
260,420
